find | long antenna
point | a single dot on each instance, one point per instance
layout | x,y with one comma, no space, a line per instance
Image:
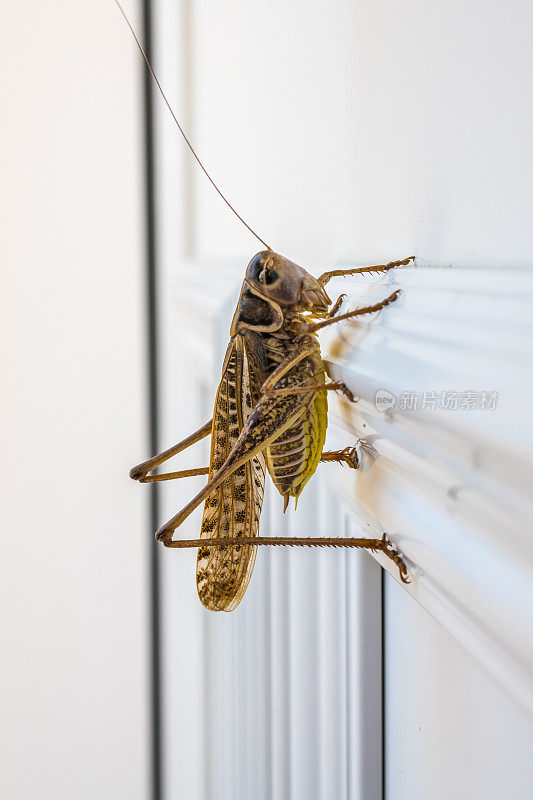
191,148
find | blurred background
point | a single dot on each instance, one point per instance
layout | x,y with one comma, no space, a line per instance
351,131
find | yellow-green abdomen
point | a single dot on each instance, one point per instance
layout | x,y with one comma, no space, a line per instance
294,457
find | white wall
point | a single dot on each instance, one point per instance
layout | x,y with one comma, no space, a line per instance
451,730
366,129
73,592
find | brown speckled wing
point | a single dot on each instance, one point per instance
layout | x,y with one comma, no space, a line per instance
234,508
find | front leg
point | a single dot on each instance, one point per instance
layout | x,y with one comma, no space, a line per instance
339,273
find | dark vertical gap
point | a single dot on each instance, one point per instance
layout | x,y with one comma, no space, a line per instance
383,692
267,622
348,567
187,89
151,303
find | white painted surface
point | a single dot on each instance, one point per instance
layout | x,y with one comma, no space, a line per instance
366,130
461,734
358,133
74,665
452,486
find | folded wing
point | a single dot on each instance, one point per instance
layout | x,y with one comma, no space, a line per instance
233,509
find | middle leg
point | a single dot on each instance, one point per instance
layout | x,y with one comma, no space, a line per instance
347,456
334,386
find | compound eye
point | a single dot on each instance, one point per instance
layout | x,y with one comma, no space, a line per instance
255,267
268,276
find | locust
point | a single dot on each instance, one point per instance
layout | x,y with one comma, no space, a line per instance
270,415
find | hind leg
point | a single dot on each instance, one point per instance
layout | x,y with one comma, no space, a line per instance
140,472
383,545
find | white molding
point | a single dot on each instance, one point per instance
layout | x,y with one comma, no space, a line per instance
453,488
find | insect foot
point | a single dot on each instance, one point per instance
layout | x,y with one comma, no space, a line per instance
350,457
391,551
347,393
163,535
403,263
391,298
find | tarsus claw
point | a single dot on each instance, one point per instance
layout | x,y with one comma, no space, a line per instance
390,549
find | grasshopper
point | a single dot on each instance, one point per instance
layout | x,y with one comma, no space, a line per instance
270,414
